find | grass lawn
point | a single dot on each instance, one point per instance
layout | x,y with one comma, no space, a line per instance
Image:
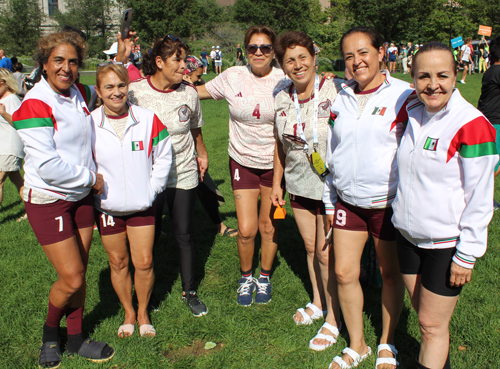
254,337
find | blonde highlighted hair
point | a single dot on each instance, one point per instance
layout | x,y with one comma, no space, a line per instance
8,78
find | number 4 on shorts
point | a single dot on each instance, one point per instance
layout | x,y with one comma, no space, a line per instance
236,174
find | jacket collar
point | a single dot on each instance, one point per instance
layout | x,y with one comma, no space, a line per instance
456,99
132,116
350,85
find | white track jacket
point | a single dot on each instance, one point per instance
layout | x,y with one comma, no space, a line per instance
445,192
135,169
361,149
56,132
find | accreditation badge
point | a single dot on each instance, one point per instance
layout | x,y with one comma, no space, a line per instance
319,164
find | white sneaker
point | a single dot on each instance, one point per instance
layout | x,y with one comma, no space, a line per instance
463,82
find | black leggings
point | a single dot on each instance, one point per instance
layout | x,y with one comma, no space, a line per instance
181,207
210,203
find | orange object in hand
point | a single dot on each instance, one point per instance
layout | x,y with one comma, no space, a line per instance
279,213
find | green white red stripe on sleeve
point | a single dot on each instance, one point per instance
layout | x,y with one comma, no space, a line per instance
474,139
34,113
158,134
466,261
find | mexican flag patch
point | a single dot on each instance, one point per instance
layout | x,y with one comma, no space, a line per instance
379,111
137,146
431,144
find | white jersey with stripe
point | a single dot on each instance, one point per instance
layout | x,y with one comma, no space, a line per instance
251,113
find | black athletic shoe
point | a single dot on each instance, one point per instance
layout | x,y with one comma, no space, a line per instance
198,308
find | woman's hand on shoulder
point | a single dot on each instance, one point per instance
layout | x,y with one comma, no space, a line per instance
459,275
98,187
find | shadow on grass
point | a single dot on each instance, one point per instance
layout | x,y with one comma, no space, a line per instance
108,305
10,206
13,216
408,346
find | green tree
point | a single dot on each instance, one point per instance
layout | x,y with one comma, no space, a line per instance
94,18
281,15
20,22
395,20
184,18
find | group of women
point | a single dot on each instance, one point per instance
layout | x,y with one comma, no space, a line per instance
346,151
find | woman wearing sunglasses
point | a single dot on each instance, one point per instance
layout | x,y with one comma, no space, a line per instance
177,104
125,133
302,113
368,118
249,92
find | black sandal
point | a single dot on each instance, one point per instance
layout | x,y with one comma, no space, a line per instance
229,232
97,352
50,355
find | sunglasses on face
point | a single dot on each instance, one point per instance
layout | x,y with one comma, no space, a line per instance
103,64
264,48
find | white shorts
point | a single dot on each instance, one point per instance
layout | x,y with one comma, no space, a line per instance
218,63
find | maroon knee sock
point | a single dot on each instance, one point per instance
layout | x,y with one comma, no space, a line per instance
51,326
74,317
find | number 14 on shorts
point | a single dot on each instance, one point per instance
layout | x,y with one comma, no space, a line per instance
110,222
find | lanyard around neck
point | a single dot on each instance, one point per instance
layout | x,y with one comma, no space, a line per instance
315,122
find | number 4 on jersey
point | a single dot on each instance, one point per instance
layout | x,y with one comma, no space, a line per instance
256,111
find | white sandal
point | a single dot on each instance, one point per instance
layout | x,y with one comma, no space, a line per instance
331,338
386,360
126,330
147,330
356,358
309,319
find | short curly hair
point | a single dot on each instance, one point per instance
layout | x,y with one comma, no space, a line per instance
49,42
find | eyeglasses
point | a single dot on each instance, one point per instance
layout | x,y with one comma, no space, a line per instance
294,139
264,48
173,38
103,64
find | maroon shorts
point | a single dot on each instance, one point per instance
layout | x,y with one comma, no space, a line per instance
110,224
244,178
58,221
315,206
376,221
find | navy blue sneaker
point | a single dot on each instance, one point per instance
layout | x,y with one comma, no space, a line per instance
247,286
263,295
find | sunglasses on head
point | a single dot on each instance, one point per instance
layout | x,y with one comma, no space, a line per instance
173,38
103,64
264,48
